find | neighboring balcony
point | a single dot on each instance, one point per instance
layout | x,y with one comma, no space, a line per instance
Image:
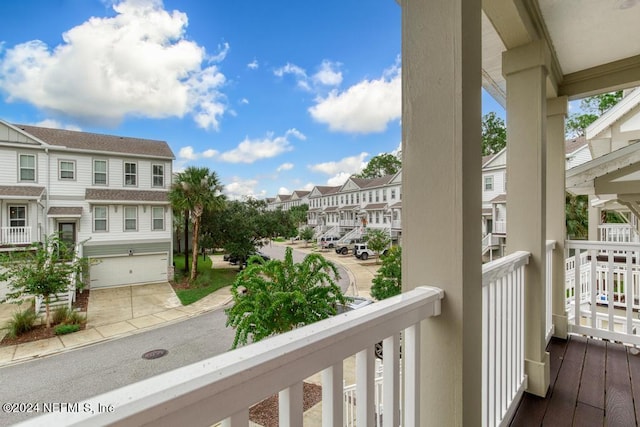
500,227
10,236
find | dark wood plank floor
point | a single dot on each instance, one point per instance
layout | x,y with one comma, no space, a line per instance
593,383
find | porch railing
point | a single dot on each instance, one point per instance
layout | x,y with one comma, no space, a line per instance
603,290
549,328
500,227
503,377
223,388
618,233
15,235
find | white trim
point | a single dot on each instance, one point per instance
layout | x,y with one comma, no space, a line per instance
614,114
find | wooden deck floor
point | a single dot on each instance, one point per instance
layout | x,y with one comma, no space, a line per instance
593,383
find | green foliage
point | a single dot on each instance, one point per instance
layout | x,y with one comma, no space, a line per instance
388,279
66,329
494,134
206,283
591,108
380,165
306,234
204,267
195,191
65,315
20,323
42,270
577,216
377,240
278,295
298,214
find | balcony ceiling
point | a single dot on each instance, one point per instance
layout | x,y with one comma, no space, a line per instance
594,43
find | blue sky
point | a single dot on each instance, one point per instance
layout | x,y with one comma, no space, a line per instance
274,96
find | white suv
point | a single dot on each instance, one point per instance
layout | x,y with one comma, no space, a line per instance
362,252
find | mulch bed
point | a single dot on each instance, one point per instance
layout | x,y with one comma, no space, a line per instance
265,413
40,332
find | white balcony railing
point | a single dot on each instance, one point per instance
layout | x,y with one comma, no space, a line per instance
618,233
500,227
603,290
15,235
223,388
396,224
312,221
503,377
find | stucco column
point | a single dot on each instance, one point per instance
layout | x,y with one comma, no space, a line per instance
525,69
441,126
556,226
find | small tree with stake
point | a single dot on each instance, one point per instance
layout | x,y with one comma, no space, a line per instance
377,240
44,270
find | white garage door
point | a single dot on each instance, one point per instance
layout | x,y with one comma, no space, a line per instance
129,270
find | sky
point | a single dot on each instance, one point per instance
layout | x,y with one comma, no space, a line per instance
273,96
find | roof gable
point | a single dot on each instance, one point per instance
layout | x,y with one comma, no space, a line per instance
497,161
615,113
12,134
350,185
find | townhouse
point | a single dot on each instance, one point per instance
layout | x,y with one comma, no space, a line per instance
107,195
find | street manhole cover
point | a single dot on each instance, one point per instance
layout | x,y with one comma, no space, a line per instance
155,354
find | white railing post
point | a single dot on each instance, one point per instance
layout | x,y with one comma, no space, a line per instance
365,400
411,354
549,329
290,405
391,389
332,398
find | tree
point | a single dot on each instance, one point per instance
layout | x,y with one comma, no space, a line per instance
194,191
380,165
306,234
576,216
43,270
279,295
494,134
591,108
388,279
299,214
377,240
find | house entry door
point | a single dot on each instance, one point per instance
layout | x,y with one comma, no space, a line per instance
67,233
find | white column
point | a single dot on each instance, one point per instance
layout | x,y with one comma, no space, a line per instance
594,221
525,69
556,225
441,122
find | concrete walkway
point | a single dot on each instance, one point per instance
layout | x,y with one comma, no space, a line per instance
123,311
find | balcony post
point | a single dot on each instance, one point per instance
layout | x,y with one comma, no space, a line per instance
441,201
556,228
594,221
525,69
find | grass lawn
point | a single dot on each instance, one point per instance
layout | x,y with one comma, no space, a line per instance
207,281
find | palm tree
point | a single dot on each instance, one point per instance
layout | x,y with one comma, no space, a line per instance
278,295
194,191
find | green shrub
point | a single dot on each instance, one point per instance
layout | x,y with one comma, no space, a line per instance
21,322
66,329
65,316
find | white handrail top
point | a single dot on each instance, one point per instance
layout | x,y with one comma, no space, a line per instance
551,244
221,386
594,244
502,266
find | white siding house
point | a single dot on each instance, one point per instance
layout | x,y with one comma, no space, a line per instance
106,193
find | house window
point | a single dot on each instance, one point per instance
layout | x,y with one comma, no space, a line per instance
488,183
377,217
27,167
130,218
18,216
100,172
393,194
157,218
384,195
370,197
99,218
67,169
377,196
130,174
158,175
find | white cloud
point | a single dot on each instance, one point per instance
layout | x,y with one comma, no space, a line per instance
54,124
308,186
187,153
285,167
136,63
365,107
328,75
299,73
350,165
250,150
253,65
239,189
284,190
338,179
244,101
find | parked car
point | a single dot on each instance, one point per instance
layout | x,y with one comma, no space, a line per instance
343,248
328,242
361,251
262,255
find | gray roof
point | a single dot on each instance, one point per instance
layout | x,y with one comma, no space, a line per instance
99,142
501,198
20,191
350,207
396,205
331,209
375,206
325,190
65,211
126,195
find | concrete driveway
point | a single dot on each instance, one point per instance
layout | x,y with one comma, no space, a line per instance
124,303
